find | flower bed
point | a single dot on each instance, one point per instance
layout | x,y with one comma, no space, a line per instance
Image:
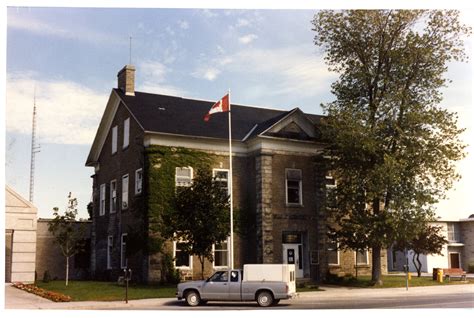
56,297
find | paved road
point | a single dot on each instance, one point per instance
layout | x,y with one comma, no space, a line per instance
454,296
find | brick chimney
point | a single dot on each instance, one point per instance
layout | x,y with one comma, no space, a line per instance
126,80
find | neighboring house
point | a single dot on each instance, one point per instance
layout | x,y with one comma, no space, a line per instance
457,253
20,238
49,257
279,184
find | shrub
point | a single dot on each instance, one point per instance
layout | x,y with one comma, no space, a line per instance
171,274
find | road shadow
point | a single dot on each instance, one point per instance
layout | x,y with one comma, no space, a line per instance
216,304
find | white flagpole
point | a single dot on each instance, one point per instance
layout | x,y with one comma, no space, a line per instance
231,250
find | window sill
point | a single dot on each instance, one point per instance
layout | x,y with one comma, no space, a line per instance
294,205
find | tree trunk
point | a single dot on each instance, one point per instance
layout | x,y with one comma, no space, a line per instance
418,268
67,270
377,265
356,262
201,259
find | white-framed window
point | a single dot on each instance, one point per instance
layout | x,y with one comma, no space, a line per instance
221,176
110,246
362,257
102,200
114,139
126,132
453,232
333,253
182,259
113,196
184,176
138,181
331,185
221,254
294,186
125,192
123,251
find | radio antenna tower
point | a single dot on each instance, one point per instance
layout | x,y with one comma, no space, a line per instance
34,150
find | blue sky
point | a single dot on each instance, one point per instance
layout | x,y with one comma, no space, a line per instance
72,56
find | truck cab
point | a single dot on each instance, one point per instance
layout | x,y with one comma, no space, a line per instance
223,285
266,284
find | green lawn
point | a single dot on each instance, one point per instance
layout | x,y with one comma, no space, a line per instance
395,281
107,291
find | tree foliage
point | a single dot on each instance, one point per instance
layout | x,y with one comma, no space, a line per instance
199,216
69,235
393,146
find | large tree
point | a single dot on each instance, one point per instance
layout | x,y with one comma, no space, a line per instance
68,234
199,217
393,146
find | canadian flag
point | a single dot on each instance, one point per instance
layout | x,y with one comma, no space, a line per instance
221,106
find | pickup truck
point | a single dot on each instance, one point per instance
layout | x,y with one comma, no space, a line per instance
265,283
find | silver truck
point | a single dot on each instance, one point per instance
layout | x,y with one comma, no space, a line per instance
265,283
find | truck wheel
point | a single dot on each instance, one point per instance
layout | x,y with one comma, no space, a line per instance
265,299
192,298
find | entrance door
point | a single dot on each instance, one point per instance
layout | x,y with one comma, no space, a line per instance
454,260
293,254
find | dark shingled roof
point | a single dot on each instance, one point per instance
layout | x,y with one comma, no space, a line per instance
182,116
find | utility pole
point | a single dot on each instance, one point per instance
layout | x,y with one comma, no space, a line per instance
34,150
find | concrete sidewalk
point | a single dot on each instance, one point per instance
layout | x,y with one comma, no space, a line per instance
18,299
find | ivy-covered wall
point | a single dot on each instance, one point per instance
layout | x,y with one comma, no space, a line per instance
161,163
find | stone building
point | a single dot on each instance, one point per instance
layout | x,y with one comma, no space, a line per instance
278,183
20,238
50,259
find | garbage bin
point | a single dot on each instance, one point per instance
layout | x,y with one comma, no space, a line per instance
435,273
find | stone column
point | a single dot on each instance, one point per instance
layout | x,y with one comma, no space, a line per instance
264,208
322,215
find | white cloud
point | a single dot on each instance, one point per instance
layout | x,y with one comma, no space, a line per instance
242,22
208,13
169,30
67,112
183,24
294,71
207,73
246,39
151,78
46,28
